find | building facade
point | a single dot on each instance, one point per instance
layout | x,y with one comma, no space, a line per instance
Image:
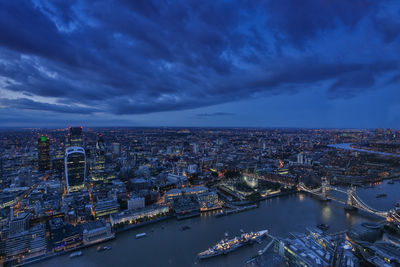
75,137
136,202
75,168
43,153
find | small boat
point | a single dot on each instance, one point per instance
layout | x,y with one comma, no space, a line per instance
323,226
99,248
381,195
391,182
140,235
184,228
76,254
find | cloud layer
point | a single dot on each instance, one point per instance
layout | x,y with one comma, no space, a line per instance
144,56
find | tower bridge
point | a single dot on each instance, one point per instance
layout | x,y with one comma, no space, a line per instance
353,201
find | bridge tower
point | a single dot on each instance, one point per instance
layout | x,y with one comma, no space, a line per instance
324,188
350,204
393,216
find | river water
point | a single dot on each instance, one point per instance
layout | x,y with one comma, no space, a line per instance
347,146
167,245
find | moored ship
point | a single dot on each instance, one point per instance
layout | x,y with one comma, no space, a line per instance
226,245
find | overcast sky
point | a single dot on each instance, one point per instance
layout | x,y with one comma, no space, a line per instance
286,63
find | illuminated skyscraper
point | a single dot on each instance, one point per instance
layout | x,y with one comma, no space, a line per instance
75,168
75,137
43,153
98,170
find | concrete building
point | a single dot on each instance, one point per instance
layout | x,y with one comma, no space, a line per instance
20,223
176,193
136,202
31,241
131,217
96,231
63,235
176,179
105,207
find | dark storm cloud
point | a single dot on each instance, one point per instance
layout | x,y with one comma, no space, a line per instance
24,29
32,118
24,103
300,20
395,79
138,57
348,85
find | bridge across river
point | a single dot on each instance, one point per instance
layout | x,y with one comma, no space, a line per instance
353,201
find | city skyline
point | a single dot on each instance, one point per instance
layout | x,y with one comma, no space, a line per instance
226,64
200,133
104,196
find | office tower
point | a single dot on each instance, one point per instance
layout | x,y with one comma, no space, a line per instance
43,153
22,239
75,137
98,170
195,150
300,158
75,168
116,149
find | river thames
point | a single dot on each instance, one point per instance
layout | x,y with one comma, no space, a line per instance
167,245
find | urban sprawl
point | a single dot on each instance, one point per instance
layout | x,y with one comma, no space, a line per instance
66,189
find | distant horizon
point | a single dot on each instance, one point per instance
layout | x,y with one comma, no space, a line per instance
264,111
201,127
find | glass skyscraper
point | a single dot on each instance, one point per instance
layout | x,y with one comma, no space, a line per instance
75,168
75,136
98,170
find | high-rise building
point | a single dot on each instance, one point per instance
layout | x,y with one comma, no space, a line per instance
195,148
116,149
300,158
43,153
75,168
75,137
98,170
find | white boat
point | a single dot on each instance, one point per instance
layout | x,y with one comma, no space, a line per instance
140,235
99,249
76,254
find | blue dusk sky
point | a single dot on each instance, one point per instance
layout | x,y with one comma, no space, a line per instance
274,63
